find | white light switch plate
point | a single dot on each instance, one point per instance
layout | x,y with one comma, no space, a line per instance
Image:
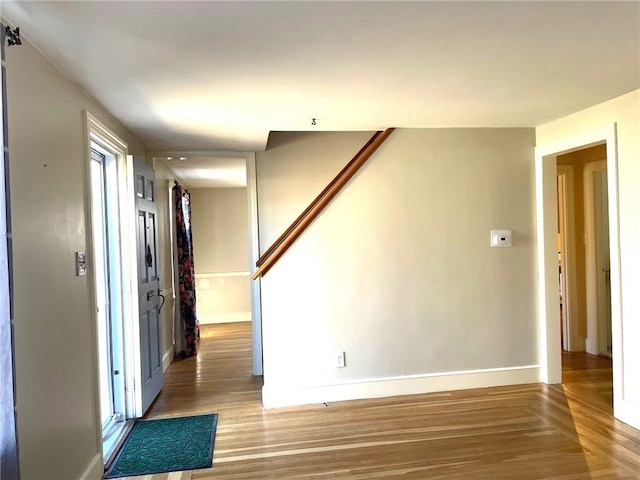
81,264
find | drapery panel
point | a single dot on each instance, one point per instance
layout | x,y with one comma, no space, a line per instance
186,288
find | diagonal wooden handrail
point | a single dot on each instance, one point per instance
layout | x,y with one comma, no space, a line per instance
315,201
302,222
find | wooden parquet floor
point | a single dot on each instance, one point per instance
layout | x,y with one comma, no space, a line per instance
564,432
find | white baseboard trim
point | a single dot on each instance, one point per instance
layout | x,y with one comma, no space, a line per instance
95,470
591,347
225,318
167,358
283,396
627,412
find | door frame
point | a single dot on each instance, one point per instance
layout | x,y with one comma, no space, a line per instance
97,132
572,340
546,227
593,341
254,235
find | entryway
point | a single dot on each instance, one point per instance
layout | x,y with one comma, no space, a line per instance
122,262
222,193
583,251
547,241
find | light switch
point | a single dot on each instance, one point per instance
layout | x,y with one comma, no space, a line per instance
81,264
500,238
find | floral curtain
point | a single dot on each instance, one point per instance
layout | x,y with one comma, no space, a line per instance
188,322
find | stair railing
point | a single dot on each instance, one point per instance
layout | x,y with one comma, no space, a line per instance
275,251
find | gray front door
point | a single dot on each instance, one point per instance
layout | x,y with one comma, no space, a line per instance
148,284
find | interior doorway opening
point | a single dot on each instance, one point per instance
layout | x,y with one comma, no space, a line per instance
199,171
583,251
547,240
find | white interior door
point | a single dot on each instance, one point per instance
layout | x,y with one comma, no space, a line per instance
148,284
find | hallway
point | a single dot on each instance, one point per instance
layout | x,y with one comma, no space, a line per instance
517,432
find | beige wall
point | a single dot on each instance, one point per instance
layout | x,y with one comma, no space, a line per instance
398,271
220,229
55,359
221,254
624,111
579,159
164,181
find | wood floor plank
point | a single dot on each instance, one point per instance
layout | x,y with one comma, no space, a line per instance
563,432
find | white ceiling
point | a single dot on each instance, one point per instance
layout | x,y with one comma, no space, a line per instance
218,76
206,171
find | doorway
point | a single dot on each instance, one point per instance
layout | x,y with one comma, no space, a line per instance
111,261
583,250
196,171
546,206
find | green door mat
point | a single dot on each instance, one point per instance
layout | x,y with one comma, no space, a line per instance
166,445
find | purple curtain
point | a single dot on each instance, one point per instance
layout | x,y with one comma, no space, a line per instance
186,278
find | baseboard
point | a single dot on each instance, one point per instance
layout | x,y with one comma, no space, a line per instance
591,347
167,358
283,396
225,318
627,412
95,470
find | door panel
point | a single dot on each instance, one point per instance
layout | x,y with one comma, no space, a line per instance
148,284
152,270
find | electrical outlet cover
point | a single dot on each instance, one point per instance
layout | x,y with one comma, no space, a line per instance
340,362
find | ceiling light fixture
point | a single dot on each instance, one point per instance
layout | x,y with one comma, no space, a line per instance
183,158
169,158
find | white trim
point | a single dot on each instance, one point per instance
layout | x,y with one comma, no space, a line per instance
95,378
222,274
95,469
283,396
254,242
128,231
546,239
98,133
224,318
549,347
167,358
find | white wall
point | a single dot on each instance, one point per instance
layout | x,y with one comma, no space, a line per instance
58,428
221,253
624,111
398,271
